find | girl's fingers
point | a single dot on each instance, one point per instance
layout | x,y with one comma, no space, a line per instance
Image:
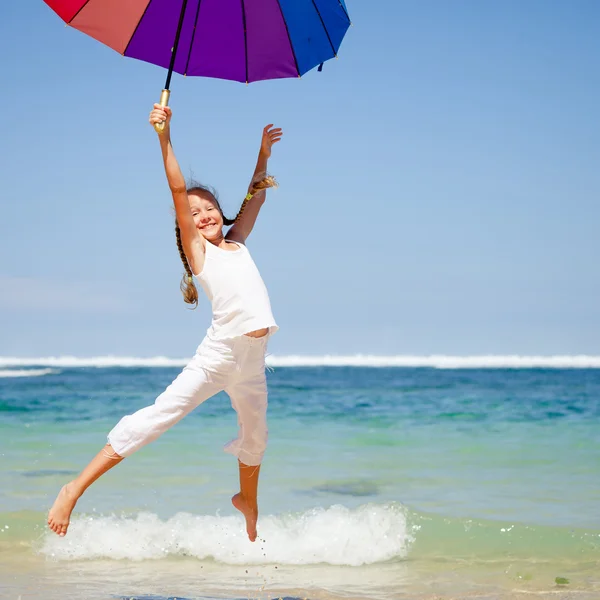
165,110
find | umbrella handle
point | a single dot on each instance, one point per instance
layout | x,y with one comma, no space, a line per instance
164,101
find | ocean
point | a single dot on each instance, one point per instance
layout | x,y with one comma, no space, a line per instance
409,478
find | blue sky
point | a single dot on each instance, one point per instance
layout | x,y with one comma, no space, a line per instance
440,187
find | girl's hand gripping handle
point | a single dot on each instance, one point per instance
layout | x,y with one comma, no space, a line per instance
161,116
159,127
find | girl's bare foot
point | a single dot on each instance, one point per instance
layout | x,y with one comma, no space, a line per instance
60,513
250,514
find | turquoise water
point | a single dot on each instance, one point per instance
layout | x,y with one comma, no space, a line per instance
378,482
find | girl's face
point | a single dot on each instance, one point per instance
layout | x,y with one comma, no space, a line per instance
207,216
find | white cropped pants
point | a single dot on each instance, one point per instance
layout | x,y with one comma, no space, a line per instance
236,366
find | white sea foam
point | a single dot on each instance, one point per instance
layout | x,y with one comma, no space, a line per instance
441,361
26,372
94,361
336,536
437,361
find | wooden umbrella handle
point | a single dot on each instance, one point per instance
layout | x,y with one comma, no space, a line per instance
164,101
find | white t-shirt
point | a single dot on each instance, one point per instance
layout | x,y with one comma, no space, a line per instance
239,297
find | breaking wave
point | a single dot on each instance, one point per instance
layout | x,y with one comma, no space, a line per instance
436,361
370,534
27,372
336,536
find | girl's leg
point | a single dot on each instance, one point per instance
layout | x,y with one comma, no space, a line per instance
246,501
249,399
60,513
202,378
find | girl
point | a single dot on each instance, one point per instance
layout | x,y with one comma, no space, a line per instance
231,356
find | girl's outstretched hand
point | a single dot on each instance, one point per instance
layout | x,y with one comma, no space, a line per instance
270,136
159,114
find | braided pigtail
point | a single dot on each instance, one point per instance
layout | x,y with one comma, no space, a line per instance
188,289
257,186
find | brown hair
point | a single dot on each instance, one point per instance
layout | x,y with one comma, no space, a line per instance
187,286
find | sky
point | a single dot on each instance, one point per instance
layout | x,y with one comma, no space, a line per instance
439,187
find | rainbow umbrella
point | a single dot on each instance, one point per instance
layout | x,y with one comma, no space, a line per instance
239,40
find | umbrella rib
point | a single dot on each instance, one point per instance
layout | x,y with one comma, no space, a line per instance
324,28
80,9
187,64
136,27
245,37
345,11
289,38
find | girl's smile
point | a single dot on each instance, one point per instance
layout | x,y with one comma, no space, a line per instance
207,226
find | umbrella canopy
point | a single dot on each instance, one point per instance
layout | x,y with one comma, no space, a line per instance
240,40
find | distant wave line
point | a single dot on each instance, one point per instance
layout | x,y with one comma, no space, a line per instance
437,361
26,372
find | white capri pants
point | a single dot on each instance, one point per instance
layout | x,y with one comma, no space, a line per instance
237,366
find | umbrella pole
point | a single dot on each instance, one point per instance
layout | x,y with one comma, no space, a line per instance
164,96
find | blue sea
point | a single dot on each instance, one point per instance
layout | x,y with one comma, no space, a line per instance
422,479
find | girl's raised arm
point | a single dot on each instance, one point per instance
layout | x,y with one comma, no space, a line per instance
257,190
192,241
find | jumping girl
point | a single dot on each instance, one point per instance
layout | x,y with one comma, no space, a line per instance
232,355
